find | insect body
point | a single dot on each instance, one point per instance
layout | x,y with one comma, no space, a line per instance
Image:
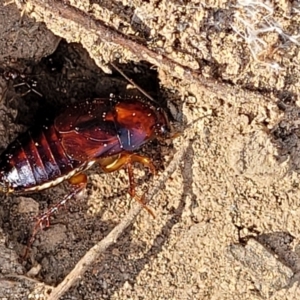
103,131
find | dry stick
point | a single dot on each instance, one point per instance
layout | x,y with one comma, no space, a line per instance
65,15
108,34
94,253
133,83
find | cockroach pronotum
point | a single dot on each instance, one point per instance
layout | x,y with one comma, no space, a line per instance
103,131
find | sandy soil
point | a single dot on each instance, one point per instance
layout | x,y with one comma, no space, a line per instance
226,223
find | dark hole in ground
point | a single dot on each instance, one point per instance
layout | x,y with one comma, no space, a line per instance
66,76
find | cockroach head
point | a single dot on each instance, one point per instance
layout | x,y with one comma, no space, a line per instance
162,127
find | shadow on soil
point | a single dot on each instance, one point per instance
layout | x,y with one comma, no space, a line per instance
38,92
124,269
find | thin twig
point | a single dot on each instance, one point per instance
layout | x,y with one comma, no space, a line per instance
133,83
61,17
94,253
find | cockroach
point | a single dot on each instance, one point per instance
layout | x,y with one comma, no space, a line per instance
107,132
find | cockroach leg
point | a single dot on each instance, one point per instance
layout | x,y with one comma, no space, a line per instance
132,191
119,161
78,183
126,159
30,88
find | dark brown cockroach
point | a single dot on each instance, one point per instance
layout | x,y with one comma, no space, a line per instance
102,131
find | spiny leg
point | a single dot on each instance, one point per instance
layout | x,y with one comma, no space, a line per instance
119,161
125,159
78,183
132,191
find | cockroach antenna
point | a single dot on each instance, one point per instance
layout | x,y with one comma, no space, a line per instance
133,83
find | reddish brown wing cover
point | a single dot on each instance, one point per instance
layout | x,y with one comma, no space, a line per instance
85,131
104,127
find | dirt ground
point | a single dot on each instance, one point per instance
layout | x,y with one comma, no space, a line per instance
227,72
